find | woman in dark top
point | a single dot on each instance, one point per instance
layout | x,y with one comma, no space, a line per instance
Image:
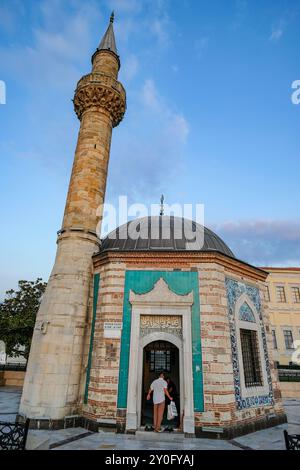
173,392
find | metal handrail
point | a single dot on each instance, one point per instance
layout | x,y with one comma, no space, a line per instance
13,436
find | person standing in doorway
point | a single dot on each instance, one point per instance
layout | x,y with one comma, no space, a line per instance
173,391
159,387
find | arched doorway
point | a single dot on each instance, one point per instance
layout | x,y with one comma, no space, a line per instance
159,356
160,315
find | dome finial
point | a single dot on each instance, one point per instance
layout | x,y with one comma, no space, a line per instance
112,17
162,208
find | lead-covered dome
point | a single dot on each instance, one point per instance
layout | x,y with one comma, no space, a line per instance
164,233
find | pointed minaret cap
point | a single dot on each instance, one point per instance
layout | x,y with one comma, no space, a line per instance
108,42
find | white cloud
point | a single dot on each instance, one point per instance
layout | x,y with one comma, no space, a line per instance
57,48
125,5
153,135
130,67
47,69
151,149
124,28
150,96
200,45
175,124
154,23
263,242
178,127
159,29
277,31
276,35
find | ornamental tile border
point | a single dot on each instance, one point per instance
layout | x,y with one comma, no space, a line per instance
234,290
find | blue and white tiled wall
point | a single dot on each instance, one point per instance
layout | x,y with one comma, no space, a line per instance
235,290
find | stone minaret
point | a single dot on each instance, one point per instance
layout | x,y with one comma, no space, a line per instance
53,375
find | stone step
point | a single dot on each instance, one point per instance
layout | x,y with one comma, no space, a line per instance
161,437
35,442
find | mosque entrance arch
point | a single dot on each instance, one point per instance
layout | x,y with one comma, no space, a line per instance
160,356
160,315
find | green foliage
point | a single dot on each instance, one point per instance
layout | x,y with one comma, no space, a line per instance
17,316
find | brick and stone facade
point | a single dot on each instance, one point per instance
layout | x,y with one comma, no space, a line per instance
87,357
221,415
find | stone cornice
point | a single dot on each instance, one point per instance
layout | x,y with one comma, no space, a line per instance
179,260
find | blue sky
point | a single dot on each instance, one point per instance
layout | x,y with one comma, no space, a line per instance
209,119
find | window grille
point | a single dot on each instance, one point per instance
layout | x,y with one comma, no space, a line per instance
160,361
280,292
251,362
288,339
274,339
296,295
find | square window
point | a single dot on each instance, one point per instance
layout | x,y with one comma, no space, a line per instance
160,361
280,293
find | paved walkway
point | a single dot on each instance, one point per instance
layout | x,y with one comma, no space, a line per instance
81,439
9,402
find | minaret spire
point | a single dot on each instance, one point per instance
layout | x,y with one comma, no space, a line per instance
108,42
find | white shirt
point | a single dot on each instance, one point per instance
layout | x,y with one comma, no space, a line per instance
158,387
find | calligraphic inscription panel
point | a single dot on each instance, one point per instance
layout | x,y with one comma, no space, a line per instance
161,323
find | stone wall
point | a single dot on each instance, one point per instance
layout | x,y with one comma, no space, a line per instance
219,394
219,400
290,389
220,409
12,378
104,373
55,361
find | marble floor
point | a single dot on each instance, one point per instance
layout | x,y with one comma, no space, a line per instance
80,439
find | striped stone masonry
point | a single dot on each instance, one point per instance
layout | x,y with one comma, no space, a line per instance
220,408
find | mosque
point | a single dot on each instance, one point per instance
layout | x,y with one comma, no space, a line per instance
119,310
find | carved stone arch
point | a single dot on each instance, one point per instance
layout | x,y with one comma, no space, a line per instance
161,336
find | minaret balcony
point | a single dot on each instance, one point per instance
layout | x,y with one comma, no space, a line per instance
99,90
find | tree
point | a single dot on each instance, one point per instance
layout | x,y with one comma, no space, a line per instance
17,316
